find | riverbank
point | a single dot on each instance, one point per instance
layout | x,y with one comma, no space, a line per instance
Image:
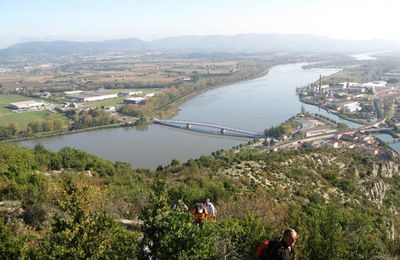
68,132
252,105
165,112
171,109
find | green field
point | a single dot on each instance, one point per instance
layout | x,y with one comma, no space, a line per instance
115,102
345,76
5,100
22,118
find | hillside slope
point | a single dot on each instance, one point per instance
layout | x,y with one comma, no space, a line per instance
344,204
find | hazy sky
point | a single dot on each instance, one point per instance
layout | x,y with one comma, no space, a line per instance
24,20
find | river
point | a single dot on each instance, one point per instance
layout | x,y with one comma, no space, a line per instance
252,105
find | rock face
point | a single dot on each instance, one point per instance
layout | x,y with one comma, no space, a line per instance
378,191
327,175
388,169
385,169
375,170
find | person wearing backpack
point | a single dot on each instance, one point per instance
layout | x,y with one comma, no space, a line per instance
200,213
282,248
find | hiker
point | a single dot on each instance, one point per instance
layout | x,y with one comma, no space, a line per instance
200,213
212,212
180,205
282,248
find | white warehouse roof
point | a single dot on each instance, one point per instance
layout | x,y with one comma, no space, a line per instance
26,104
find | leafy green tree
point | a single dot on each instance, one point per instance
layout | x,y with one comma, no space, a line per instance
342,126
175,163
15,161
171,234
10,248
332,232
239,237
81,233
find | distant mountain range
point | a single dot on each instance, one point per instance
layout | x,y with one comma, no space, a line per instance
234,43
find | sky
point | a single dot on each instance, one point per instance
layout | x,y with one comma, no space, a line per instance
26,20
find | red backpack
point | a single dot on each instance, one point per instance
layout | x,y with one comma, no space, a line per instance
262,247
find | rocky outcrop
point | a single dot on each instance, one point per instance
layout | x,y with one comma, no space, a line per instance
378,191
330,176
386,169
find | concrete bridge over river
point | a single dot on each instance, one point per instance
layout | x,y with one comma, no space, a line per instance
208,127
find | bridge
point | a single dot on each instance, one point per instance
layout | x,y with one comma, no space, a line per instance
229,131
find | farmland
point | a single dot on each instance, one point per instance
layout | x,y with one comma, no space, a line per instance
173,76
24,118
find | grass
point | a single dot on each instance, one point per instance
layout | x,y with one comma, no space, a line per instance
24,118
6,99
344,76
115,102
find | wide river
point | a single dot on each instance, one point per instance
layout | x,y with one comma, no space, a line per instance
253,105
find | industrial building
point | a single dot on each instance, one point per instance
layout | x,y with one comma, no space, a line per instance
27,105
375,84
93,96
134,100
130,93
352,106
73,92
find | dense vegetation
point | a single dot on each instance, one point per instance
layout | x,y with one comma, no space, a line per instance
38,126
284,129
90,118
69,204
79,120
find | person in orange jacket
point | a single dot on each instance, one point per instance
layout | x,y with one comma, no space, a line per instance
200,213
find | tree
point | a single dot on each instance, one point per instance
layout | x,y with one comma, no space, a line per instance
332,232
239,237
175,163
10,248
287,128
342,126
171,234
35,127
58,124
82,233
